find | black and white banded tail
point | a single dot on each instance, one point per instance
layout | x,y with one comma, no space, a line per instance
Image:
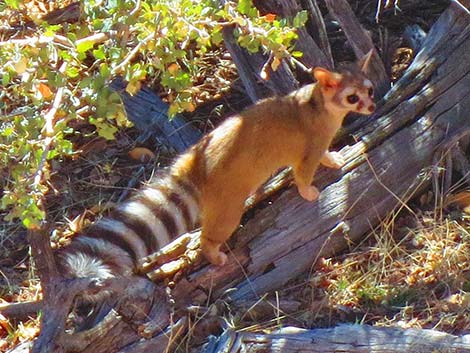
153,217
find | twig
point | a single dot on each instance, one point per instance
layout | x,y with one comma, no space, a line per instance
96,38
28,41
462,6
264,73
131,184
21,310
378,12
300,65
169,253
119,68
16,112
48,133
136,8
202,34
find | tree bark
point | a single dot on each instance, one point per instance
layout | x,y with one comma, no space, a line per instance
361,43
150,116
343,338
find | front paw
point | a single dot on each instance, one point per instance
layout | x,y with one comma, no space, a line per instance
215,257
309,193
219,259
333,160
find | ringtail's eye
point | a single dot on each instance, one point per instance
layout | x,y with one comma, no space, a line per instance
370,92
352,98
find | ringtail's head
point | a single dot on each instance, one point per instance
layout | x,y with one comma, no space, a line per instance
348,90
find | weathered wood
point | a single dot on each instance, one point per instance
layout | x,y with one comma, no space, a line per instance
20,311
287,236
44,259
343,338
56,302
414,36
282,80
361,43
245,71
148,112
150,115
318,29
249,67
446,35
354,199
24,347
140,310
161,343
445,48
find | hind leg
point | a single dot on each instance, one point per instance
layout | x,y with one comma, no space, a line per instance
218,224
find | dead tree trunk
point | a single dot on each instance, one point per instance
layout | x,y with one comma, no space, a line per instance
395,156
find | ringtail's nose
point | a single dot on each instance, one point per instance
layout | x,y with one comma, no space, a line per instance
371,108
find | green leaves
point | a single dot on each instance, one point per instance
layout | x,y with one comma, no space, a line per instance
14,4
300,19
104,128
99,53
245,7
72,72
84,46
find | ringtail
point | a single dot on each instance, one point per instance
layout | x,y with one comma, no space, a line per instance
209,183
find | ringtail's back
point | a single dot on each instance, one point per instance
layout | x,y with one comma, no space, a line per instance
209,183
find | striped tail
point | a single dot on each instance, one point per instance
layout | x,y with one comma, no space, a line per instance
153,217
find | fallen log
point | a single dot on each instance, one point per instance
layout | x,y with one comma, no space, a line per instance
343,338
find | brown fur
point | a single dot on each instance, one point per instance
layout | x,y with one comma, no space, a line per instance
234,159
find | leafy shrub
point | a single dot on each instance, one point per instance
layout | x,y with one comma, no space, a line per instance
61,74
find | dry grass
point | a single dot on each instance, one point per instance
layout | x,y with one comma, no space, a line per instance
410,277
13,332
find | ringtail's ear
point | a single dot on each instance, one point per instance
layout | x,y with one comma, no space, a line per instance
326,78
364,62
